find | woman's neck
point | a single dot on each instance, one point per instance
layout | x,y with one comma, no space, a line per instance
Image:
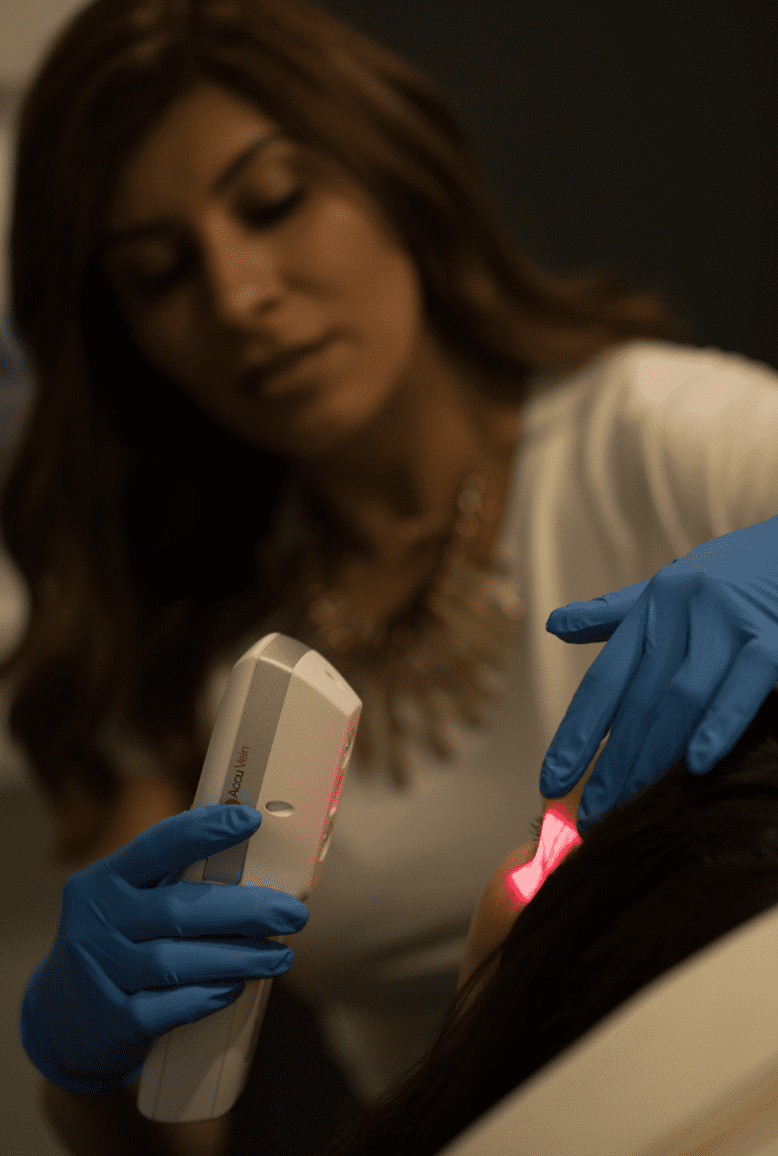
395,485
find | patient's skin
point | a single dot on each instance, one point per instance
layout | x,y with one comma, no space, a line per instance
498,905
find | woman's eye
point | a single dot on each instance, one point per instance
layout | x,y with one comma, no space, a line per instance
259,217
264,216
149,285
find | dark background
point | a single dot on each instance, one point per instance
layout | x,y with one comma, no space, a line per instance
640,135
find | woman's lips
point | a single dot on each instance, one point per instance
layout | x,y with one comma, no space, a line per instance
273,380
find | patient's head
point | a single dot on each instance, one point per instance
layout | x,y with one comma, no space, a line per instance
658,878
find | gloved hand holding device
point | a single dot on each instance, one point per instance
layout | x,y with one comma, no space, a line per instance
693,653
138,953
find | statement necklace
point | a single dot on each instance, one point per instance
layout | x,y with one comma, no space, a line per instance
437,658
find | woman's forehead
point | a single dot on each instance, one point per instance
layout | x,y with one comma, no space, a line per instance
190,145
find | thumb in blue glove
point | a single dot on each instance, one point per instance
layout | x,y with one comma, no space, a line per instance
691,655
129,962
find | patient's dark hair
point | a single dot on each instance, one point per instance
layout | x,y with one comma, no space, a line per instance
661,876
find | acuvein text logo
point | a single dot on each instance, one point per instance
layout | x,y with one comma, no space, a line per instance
237,773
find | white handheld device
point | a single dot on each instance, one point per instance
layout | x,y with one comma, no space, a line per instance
281,742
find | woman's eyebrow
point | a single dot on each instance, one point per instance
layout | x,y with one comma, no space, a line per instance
148,228
234,167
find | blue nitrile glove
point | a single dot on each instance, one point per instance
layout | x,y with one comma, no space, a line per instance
693,653
128,964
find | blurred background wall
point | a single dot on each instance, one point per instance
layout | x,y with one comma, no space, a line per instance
638,135
641,136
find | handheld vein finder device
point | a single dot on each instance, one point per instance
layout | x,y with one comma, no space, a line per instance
281,742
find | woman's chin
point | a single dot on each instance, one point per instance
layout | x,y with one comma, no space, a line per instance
322,425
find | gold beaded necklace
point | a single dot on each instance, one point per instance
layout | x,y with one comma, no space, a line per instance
448,642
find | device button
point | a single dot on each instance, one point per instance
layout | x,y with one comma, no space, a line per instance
347,750
336,793
326,839
279,807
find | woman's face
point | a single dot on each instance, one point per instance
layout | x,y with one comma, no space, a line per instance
228,244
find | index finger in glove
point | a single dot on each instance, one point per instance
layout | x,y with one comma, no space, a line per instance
674,622
597,619
593,706
180,840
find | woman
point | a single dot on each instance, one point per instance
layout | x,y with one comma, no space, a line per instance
178,492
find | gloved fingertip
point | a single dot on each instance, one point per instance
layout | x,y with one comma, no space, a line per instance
244,814
583,820
552,622
585,817
224,996
299,919
133,1076
550,785
699,762
703,752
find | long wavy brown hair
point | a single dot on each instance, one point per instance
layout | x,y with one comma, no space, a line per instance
123,499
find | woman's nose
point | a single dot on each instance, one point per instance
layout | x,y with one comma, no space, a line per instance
241,273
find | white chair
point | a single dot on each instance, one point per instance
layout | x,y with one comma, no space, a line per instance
686,1067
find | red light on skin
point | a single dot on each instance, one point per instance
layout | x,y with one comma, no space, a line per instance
557,836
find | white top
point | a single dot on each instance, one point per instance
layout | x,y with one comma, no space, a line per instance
625,465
